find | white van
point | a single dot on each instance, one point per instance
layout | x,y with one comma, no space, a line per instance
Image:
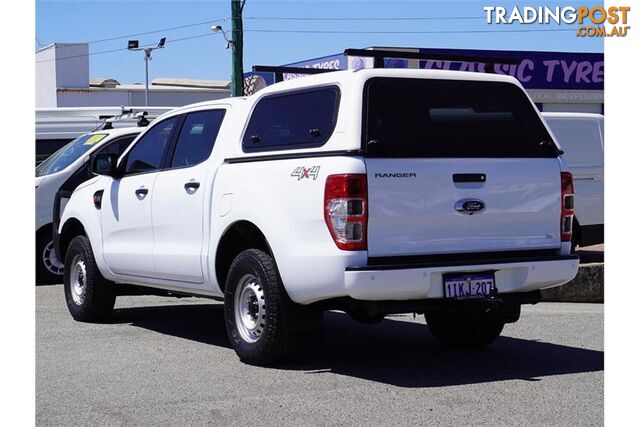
581,136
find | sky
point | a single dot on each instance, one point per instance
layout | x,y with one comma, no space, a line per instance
273,36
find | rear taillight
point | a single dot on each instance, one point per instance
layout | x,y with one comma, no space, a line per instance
566,219
345,210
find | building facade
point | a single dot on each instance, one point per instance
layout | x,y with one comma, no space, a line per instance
62,80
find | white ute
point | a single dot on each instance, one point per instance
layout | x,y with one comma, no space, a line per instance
373,192
69,165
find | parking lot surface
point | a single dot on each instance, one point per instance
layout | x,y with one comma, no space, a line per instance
167,361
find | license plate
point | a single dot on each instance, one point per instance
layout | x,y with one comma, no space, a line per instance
467,286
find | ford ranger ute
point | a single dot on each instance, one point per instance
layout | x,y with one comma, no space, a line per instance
372,192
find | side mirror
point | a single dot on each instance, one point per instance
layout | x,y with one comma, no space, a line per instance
105,164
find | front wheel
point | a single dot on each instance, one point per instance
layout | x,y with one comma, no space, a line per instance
264,326
90,297
458,330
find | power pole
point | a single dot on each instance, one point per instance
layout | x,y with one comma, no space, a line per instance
237,73
147,57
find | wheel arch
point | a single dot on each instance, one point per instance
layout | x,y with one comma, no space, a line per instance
237,237
576,231
71,228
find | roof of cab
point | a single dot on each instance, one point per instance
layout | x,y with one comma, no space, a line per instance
212,103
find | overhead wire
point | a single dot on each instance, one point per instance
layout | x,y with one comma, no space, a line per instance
145,33
124,48
299,31
268,30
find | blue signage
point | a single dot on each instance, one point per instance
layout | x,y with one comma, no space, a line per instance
537,70
331,62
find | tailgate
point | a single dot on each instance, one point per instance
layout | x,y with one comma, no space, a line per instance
412,205
458,166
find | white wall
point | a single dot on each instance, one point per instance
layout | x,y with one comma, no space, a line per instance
72,65
64,65
572,108
46,78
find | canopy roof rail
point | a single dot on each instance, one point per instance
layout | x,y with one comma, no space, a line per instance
379,55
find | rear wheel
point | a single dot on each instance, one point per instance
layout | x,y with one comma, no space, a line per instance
575,235
90,297
264,326
49,268
458,330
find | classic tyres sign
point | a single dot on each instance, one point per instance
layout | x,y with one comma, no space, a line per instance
537,70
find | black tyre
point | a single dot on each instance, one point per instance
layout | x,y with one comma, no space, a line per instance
575,236
90,297
264,326
458,330
49,269
364,317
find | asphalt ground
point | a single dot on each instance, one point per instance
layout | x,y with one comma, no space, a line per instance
166,361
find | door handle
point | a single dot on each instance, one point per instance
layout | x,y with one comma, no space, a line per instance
191,186
141,193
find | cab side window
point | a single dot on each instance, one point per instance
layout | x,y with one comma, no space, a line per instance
146,155
197,137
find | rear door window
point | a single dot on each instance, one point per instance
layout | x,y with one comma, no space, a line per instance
197,136
451,118
294,120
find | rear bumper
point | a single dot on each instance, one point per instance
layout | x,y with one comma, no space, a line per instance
424,281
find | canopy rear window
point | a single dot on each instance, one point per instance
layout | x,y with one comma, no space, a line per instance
451,118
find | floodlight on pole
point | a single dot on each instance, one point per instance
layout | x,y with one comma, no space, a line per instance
219,29
135,45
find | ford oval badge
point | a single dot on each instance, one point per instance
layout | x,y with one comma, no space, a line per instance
469,206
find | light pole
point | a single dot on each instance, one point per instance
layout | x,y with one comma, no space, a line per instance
134,45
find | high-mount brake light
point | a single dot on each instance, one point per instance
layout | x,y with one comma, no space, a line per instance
345,210
566,219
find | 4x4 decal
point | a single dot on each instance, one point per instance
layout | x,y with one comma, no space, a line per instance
302,172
